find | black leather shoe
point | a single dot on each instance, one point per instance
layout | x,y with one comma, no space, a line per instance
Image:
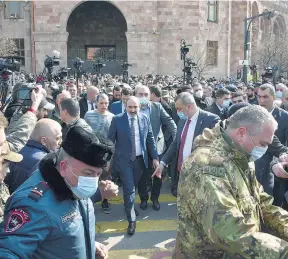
136,212
174,192
131,228
156,205
143,205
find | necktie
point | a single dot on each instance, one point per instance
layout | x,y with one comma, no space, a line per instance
183,139
92,106
133,153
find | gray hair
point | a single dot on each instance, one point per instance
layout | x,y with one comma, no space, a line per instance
62,155
141,87
252,117
268,86
281,85
185,97
102,96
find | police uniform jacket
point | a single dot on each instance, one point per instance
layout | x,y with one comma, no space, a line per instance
43,220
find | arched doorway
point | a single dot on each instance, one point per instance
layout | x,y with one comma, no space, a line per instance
97,31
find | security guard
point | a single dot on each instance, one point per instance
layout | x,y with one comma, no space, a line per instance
51,215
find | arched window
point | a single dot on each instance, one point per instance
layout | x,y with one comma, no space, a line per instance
212,11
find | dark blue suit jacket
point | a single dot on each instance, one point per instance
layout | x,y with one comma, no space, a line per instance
205,120
262,165
116,107
120,134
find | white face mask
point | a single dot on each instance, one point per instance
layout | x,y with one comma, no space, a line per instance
199,94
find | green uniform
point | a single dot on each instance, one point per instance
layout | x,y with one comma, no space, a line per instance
221,206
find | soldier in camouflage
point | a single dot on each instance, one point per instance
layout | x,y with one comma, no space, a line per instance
16,137
223,211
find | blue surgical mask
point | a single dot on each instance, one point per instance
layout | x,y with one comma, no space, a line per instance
257,152
278,94
86,186
226,103
144,102
182,116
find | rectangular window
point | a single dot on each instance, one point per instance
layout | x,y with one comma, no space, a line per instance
212,53
14,9
212,11
20,50
101,52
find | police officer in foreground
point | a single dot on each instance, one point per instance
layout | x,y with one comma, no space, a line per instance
223,211
51,215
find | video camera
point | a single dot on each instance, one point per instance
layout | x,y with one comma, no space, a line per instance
51,62
22,93
78,64
8,65
126,65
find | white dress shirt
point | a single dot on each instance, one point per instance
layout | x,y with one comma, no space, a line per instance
89,106
190,135
123,107
137,135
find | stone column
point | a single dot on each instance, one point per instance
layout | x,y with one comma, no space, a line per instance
45,43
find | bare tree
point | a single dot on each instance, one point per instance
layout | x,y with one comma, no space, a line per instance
272,52
7,45
202,61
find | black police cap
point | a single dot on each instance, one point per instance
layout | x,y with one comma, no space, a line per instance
87,147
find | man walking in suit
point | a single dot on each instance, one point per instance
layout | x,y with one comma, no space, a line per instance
272,185
119,106
221,104
191,124
132,133
158,118
88,102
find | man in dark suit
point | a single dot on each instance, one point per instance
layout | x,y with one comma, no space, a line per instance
198,96
191,124
134,139
119,106
88,102
272,185
158,118
221,104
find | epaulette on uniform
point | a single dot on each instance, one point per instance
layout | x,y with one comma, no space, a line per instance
38,191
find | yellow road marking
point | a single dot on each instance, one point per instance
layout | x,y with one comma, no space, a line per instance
162,198
140,254
141,226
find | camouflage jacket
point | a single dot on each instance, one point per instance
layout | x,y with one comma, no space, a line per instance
17,135
221,206
20,129
4,195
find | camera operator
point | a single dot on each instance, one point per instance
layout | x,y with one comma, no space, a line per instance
21,125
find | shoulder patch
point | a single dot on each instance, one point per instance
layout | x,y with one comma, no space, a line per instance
38,191
215,171
216,160
16,219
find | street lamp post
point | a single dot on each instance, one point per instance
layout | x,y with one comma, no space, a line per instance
247,23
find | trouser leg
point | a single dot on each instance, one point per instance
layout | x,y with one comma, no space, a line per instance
129,192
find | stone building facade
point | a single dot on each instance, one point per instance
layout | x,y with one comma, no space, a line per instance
147,34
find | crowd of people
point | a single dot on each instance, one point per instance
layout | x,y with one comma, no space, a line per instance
222,143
